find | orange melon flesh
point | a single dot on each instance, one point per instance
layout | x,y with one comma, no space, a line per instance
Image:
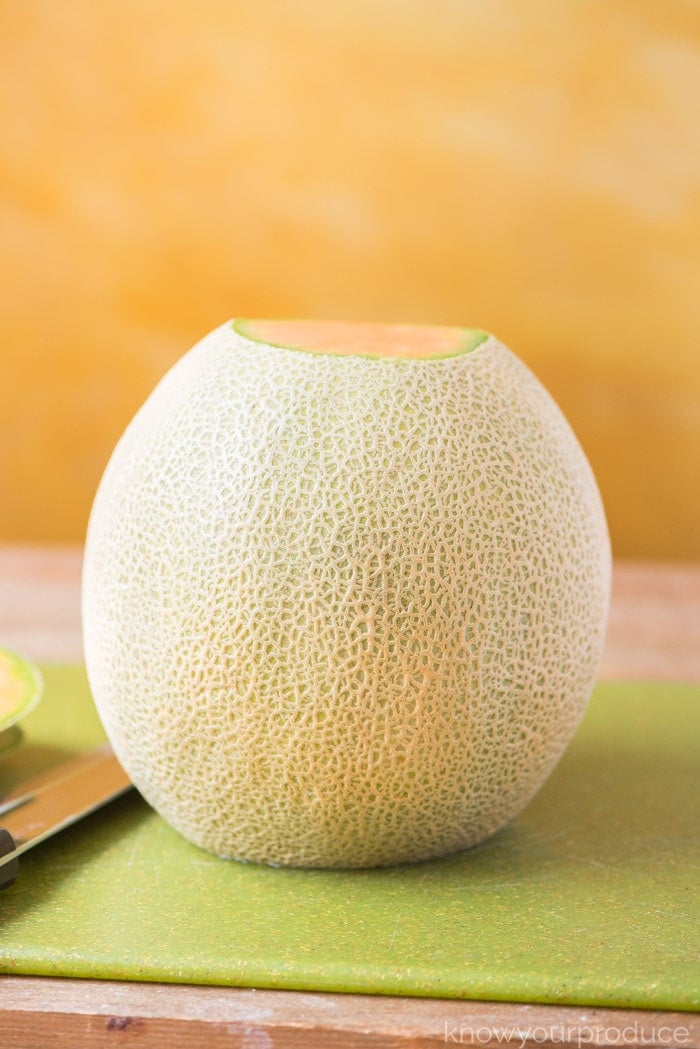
344,338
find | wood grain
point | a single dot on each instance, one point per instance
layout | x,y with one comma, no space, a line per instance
654,634
94,1013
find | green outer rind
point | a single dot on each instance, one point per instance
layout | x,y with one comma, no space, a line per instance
31,677
471,340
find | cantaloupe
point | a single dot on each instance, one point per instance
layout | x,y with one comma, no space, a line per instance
345,592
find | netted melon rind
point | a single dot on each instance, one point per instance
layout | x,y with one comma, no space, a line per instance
344,612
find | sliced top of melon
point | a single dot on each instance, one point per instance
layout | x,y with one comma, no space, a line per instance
21,686
379,341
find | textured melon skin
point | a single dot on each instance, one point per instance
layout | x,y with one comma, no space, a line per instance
339,611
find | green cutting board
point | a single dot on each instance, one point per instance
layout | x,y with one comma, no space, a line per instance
588,898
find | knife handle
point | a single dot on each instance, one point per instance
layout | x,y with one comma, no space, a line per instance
9,871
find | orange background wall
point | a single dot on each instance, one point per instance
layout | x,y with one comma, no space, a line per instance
530,169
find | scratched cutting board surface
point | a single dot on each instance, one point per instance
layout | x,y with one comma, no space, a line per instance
589,897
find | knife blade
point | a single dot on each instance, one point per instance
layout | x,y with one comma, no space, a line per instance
53,800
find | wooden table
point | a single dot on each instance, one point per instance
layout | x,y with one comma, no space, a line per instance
654,634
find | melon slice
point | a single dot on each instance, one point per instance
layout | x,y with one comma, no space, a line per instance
345,592
21,687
